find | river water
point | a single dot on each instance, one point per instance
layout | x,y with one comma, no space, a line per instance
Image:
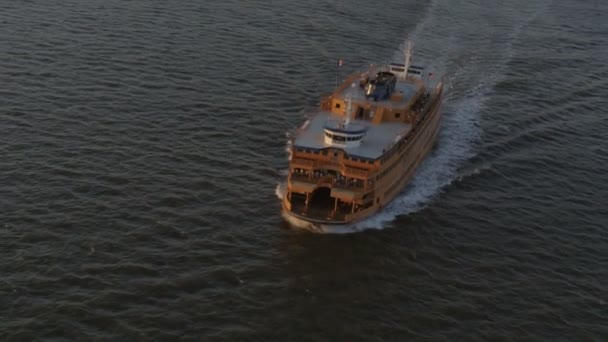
142,143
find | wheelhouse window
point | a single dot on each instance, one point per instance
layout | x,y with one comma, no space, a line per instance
355,138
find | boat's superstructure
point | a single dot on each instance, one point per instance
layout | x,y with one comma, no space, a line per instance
364,144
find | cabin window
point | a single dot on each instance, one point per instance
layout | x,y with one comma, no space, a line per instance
359,113
324,152
397,115
337,105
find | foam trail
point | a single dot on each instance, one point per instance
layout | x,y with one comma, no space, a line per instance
279,191
289,142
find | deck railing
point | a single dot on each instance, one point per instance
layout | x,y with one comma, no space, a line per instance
324,164
333,181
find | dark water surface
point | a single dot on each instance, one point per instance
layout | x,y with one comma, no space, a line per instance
141,143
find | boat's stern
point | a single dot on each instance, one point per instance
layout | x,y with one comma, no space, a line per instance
297,212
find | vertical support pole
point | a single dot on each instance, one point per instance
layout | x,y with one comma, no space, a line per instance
408,56
340,62
353,208
336,86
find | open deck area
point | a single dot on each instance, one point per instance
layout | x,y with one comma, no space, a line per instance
378,139
406,90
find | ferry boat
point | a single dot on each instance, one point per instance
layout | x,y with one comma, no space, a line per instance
364,144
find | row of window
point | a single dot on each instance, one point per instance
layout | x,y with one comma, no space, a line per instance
311,151
394,186
388,169
324,153
360,160
415,161
391,189
335,137
395,149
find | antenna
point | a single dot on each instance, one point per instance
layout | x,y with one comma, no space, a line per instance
349,105
349,108
409,47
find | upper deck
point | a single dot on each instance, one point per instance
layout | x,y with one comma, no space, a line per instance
377,140
404,93
362,120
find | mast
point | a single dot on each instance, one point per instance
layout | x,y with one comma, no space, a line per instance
349,109
409,47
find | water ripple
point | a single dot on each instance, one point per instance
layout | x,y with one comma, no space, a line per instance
141,143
